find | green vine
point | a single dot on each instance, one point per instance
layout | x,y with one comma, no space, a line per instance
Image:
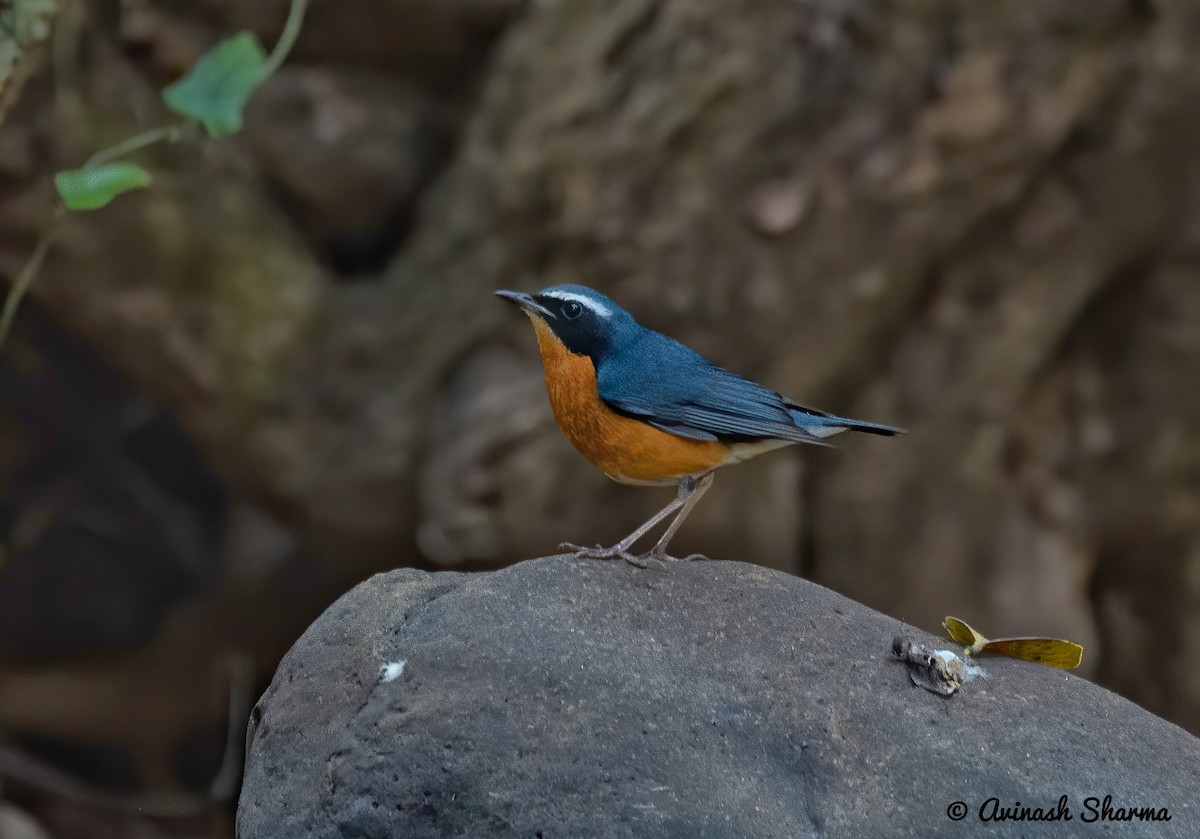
212,94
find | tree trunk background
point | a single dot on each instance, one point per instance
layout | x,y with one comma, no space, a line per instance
976,221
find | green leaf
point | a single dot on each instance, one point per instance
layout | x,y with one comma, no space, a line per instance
216,89
93,187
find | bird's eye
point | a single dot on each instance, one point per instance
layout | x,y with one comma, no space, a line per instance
571,310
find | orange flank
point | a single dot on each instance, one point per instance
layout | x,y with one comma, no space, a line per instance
628,450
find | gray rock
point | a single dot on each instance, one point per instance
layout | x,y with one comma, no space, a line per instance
578,698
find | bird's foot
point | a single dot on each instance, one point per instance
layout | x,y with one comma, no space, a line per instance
600,552
656,557
662,557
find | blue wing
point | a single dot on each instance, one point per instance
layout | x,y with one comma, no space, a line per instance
660,381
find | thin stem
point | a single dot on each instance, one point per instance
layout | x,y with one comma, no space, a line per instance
287,38
28,272
165,133
162,134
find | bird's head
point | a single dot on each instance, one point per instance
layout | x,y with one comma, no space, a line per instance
582,319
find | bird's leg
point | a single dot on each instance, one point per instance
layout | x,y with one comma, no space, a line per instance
687,487
659,551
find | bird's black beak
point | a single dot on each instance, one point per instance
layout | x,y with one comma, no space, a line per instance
526,302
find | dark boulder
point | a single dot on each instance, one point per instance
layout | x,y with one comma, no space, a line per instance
576,698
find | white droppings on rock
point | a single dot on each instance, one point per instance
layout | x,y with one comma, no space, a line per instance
391,671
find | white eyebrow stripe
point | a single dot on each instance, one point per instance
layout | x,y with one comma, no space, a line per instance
587,302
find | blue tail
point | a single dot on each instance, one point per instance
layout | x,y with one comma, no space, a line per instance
822,424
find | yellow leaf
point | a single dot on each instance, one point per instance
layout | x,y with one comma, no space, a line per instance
962,632
1053,652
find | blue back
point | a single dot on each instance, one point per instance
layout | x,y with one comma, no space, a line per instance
645,374
649,375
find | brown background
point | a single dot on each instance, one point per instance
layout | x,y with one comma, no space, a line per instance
281,368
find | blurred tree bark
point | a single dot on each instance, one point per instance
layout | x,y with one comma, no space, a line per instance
974,220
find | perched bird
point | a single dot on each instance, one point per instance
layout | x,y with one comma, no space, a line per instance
648,410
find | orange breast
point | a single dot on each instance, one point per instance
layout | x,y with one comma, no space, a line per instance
628,450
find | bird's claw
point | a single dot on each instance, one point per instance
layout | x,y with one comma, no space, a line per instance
663,558
660,558
600,552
